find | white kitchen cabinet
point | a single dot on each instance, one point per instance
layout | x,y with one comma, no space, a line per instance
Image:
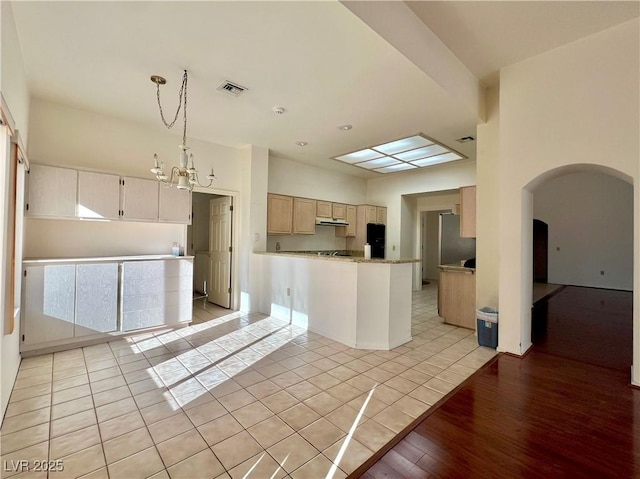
96,299
48,303
71,301
175,205
139,199
52,191
98,195
381,215
156,293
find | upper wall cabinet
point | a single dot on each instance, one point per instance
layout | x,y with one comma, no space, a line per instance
351,228
98,195
52,191
304,216
324,209
55,192
279,214
175,205
468,212
338,211
139,199
381,215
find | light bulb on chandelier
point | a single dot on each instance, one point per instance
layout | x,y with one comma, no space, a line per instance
185,176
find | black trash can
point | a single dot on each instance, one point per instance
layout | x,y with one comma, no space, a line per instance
487,318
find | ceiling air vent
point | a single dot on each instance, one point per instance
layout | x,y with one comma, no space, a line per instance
232,88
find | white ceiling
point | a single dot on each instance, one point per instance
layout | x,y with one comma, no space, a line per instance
489,35
316,59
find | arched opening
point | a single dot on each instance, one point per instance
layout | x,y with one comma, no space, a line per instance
589,212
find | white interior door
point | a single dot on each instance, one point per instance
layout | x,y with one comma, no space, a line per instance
219,286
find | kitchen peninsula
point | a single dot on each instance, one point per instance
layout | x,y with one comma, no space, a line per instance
362,303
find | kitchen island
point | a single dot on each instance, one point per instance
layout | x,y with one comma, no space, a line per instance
362,303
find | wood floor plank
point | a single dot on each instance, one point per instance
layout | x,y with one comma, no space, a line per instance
554,413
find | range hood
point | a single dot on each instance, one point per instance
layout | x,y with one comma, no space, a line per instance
330,222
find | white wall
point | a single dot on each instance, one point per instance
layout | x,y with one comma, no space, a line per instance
288,177
250,225
389,190
590,218
570,109
488,204
74,238
13,86
324,239
64,136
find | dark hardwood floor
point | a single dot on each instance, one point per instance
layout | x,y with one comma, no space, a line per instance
555,413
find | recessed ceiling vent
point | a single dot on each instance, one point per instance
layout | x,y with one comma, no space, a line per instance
232,88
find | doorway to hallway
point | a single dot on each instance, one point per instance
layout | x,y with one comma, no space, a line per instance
209,240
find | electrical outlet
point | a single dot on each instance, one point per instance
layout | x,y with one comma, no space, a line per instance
288,291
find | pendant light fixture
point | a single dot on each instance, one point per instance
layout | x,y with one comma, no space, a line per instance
184,176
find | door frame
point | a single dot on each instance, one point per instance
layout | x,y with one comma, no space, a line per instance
234,303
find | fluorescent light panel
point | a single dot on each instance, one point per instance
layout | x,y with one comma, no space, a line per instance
358,156
403,145
408,153
380,162
398,167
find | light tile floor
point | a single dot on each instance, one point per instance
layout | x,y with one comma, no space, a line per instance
234,396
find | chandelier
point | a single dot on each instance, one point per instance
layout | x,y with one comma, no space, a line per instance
184,176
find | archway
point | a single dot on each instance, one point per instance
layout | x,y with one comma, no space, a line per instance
590,210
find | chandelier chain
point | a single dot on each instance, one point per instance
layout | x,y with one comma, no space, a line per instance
183,92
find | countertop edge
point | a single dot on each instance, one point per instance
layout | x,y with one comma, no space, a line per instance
347,259
455,267
103,259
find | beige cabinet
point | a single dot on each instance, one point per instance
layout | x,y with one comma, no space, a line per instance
457,297
324,209
468,212
304,216
338,211
381,215
279,214
351,216
370,214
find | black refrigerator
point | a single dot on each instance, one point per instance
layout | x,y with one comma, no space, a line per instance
375,237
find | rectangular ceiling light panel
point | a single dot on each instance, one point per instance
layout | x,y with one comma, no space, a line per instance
380,162
405,154
403,145
358,156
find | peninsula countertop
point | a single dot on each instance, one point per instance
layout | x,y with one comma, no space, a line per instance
350,259
456,267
